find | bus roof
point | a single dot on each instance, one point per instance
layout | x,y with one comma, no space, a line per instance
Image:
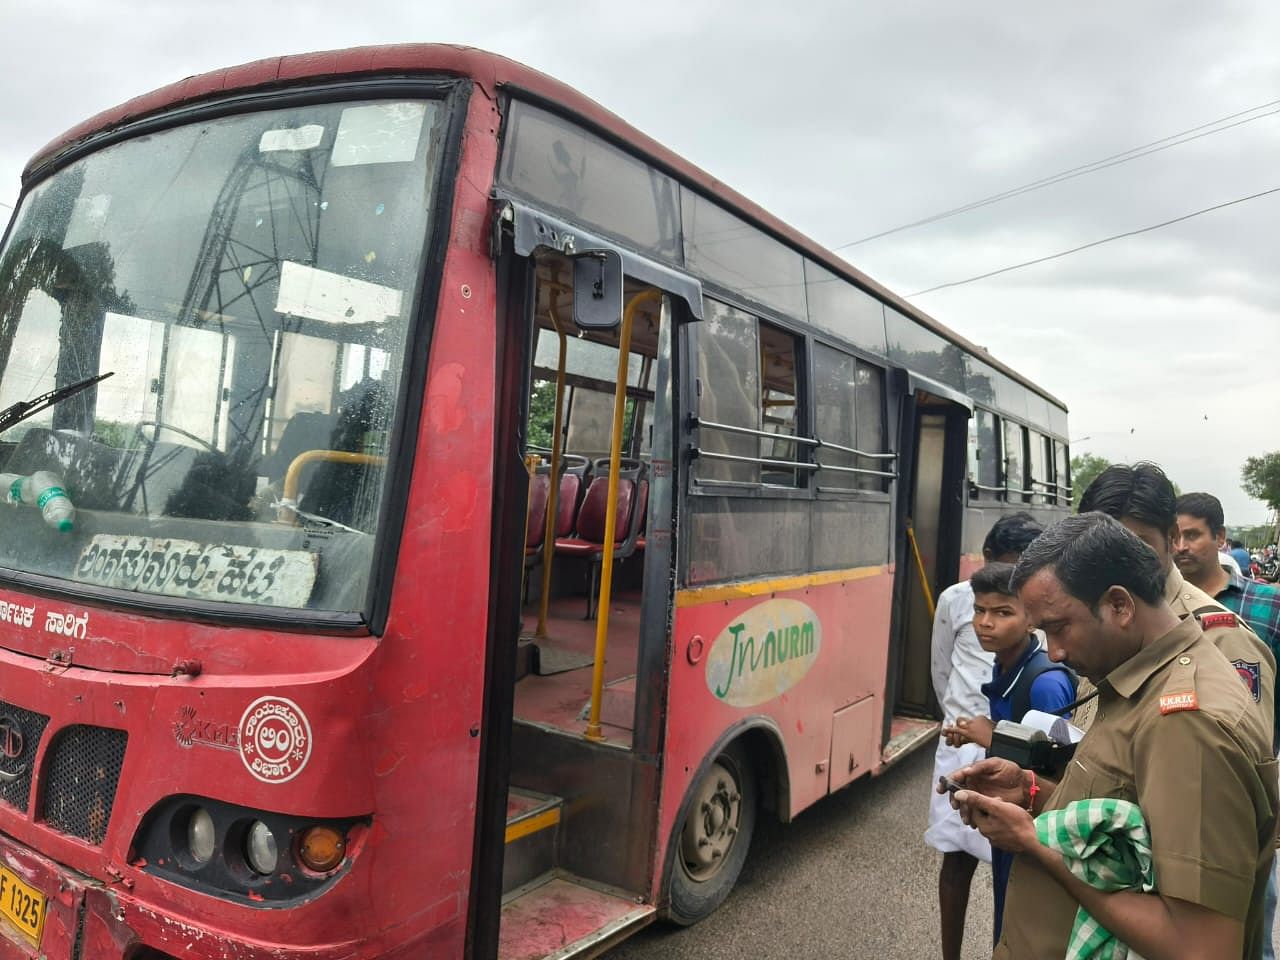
491,72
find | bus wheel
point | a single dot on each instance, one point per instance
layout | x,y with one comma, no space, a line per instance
712,840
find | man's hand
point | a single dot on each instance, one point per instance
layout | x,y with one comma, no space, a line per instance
969,730
995,777
1007,825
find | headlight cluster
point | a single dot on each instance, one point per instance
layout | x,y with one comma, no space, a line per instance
261,856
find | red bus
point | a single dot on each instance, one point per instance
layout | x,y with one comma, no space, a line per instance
442,521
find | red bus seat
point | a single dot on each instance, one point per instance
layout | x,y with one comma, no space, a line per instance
642,514
589,538
536,526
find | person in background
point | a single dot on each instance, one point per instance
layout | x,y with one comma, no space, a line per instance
1241,556
1174,735
1201,532
959,668
1142,498
1024,678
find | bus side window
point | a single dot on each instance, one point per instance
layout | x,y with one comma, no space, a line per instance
778,404
1015,480
985,471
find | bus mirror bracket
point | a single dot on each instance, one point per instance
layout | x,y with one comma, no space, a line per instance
597,289
533,230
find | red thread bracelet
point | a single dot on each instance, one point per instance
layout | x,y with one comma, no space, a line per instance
1031,792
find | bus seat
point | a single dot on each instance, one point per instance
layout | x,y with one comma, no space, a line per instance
567,503
642,514
89,470
589,536
536,524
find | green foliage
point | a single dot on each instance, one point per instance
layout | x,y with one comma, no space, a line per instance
1253,537
542,413
1260,478
1084,469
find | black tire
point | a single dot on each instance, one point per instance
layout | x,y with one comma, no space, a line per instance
720,809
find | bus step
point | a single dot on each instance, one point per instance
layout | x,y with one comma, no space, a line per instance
617,704
560,916
905,735
533,827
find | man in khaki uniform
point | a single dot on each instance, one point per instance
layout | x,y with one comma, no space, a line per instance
1175,732
1143,499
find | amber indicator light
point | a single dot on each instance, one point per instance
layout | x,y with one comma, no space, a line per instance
321,848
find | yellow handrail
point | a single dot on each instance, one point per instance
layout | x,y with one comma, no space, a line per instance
553,497
611,511
289,498
924,579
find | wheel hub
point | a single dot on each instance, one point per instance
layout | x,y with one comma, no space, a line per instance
711,826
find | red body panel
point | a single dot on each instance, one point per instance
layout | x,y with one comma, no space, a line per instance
848,665
394,721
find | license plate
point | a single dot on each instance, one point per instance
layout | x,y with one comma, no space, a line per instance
22,904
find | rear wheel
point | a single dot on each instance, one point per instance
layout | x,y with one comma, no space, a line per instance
711,840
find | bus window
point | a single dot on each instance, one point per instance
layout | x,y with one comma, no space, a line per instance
728,393
835,389
869,410
1062,472
1014,461
778,402
1039,465
984,456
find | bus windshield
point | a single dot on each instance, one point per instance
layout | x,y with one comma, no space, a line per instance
248,283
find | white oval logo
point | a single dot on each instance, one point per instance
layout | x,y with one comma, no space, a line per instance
275,739
763,652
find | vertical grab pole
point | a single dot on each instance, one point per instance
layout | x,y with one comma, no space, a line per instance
553,495
611,510
531,462
924,579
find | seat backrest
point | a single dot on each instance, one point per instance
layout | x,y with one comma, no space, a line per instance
594,506
536,526
567,503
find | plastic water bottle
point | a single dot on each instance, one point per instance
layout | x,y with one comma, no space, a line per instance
44,490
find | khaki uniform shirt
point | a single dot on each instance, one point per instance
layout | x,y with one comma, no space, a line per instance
1177,733
1250,656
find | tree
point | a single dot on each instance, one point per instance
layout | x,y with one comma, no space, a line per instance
1084,469
1260,478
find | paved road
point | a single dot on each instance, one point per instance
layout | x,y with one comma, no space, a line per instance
850,878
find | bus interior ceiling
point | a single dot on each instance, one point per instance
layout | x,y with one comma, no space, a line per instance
555,687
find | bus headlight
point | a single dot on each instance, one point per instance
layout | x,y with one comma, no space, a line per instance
260,850
201,835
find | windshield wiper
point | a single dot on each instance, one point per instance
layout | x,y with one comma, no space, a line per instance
15,414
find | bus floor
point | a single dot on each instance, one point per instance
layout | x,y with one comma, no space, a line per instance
561,699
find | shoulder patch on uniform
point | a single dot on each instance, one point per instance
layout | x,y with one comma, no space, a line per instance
1222,619
1251,673
1176,702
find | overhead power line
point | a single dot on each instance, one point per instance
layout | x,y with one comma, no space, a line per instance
1134,153
8,205
1095,243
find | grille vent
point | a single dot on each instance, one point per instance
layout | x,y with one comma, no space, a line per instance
83,774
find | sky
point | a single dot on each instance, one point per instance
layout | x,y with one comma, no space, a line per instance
848,119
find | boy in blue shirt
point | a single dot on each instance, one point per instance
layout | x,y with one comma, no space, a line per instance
1023,678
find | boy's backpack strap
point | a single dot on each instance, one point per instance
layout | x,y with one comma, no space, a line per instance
1020,696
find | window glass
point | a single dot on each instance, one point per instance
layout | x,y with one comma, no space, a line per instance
919,349
1039,466
979,380
1062,472
869,409
1057,420
842,309
218,270
1011,396
986,454
740,257
835,388
1015,482
573,172
586,358
729,392
778,403
590,425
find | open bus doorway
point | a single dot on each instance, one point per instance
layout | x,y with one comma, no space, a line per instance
930,514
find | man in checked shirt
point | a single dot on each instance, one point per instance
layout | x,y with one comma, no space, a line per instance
1201,533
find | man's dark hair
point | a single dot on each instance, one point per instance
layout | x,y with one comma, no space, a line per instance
1011,534
1090,553
993,578
1206,507
1140,492
1236,545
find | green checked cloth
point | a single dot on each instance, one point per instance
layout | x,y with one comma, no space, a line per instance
1107,845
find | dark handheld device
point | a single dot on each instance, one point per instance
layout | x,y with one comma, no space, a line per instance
949,785
1029,748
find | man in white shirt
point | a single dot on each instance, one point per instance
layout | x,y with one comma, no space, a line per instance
960,667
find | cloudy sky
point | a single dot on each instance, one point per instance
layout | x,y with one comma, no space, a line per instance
848,119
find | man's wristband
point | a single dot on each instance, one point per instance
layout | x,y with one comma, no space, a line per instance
1032,791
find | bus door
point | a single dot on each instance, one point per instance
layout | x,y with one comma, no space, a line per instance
930,509
579,649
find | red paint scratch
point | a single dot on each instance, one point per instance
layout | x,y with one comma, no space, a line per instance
445,411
